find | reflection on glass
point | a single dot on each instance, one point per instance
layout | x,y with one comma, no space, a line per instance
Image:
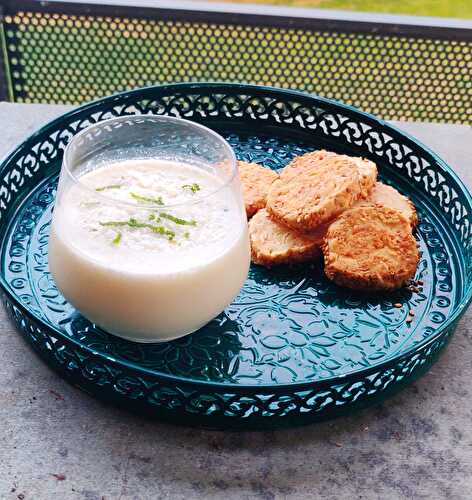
149,236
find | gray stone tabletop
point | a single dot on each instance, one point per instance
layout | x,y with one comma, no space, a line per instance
58,443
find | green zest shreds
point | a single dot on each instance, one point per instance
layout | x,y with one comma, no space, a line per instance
177,220
193,187
135,224
147,199
117,239
111,186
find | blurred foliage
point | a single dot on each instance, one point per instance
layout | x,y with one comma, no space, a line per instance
442,8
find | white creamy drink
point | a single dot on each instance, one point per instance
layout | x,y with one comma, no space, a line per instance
149,249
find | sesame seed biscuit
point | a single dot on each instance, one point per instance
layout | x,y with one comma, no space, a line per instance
273,243
302,162
367,173
387,196
370,248
367,169
255,180
316,194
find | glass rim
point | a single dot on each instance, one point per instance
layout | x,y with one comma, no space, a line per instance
198,198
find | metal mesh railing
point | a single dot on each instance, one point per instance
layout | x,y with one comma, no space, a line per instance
58,55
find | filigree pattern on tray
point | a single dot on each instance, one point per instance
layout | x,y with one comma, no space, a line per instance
288,326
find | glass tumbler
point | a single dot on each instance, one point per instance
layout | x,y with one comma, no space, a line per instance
149,233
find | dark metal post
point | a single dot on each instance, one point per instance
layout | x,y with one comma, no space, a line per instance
4,93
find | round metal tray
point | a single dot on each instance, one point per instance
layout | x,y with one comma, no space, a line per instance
292,348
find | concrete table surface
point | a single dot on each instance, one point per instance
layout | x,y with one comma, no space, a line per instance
58,443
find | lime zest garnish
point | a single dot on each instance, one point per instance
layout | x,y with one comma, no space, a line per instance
114,223
89,204
187,235
193,187
110,186
117,239
147,199
135,224
178,220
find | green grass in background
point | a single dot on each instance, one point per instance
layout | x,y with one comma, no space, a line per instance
442,8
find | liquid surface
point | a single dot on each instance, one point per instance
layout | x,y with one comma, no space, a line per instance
144,234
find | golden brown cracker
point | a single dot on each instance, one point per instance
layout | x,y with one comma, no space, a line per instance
370,248
273,243
255,180
316,194
366,168
387,196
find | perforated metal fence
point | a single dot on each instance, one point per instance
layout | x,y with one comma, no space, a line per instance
69,53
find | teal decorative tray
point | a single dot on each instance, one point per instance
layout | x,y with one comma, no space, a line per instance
292,348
